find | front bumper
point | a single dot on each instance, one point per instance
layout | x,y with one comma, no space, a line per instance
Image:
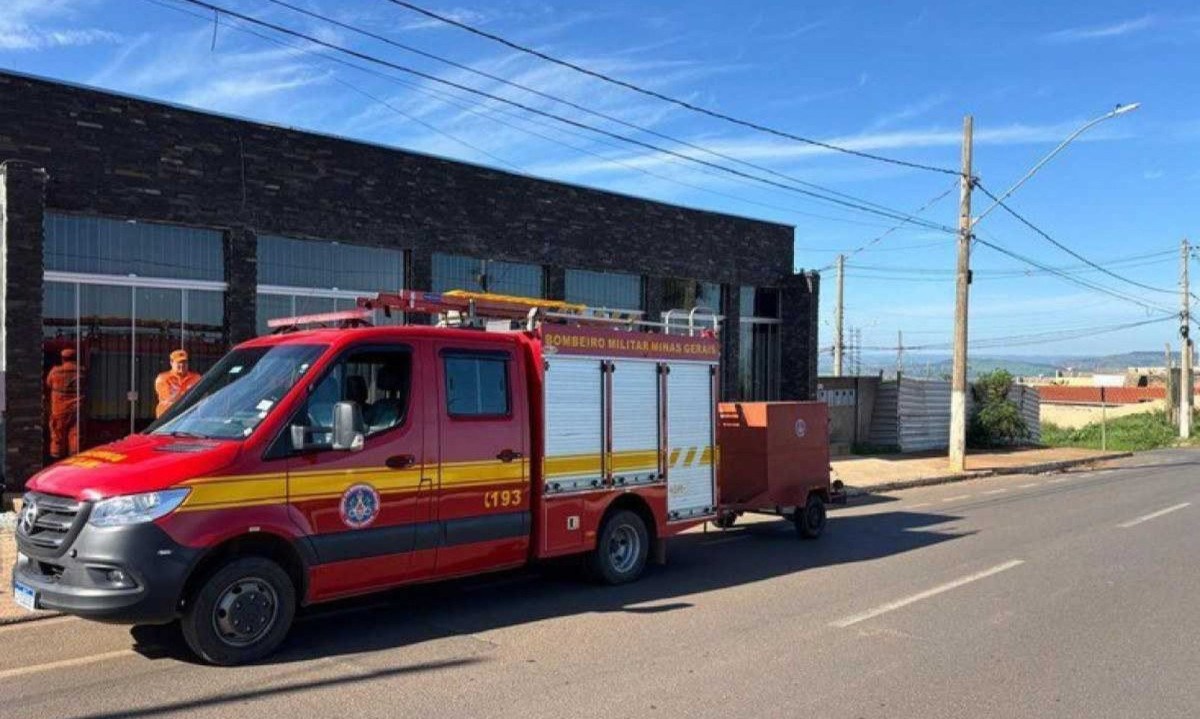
81,579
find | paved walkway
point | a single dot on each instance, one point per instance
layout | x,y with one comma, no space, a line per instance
893,471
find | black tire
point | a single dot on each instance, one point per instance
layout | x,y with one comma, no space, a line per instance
724,520
621,549
810,521
240,613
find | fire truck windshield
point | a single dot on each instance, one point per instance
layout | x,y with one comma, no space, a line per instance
238,393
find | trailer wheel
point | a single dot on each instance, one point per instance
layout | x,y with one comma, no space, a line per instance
810,521
621,549
241,612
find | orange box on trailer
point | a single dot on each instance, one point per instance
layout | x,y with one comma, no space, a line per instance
772,453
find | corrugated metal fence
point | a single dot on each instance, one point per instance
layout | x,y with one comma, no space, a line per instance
914,415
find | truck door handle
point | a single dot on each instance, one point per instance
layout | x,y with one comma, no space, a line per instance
400,461
508,455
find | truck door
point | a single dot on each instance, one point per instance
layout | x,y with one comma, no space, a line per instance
365,508
483,499
691,411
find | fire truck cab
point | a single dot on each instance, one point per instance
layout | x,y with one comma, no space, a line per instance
319,463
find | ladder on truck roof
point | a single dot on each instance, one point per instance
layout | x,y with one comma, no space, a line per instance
482,310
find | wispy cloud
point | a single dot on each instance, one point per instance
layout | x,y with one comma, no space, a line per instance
463,15
27,25
1099,32
909,111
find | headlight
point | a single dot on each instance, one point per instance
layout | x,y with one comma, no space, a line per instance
136,508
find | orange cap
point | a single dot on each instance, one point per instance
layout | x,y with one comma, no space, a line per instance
68,354
179,356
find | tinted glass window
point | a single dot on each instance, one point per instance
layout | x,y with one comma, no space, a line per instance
459,272
99,245
612,290
328,265
476,385
378,381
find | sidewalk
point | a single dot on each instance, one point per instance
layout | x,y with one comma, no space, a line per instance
898,471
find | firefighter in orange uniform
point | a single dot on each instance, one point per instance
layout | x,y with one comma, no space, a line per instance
64,383
172,384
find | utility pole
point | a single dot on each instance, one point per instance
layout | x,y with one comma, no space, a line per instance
899,352
1185,364
958,383
839,347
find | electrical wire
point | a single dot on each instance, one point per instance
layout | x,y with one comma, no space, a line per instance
491,115
569,103
863,247
1068,250
1035,338
633,141
666,98
1070,278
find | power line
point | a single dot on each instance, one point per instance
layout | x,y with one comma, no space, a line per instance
633,141
1066,249
1014,272
1047,337
1070,278
863,247
666,98
569,103
491,114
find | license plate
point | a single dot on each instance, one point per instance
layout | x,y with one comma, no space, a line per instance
25,597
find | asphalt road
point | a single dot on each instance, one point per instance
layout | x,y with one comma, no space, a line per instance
1070,595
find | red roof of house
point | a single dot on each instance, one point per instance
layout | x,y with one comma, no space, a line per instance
1112,395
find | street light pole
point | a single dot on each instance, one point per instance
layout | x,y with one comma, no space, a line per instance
958,380
958,388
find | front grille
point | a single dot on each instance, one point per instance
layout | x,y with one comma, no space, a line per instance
48,524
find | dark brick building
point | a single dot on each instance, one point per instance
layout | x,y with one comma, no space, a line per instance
132,227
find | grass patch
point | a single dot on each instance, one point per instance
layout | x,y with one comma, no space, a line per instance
1132,433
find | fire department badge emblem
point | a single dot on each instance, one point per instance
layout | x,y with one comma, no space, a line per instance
360,506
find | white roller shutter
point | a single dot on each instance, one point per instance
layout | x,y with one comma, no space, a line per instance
690,416
635,417
574,423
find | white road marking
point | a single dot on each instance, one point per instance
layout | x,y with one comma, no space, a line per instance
922,504
956,498
1027,486
1153,515
891,606
1056,480
996,491
64,663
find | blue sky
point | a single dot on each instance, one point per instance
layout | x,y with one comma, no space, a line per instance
889,78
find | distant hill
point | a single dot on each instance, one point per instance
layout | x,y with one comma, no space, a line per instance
940,365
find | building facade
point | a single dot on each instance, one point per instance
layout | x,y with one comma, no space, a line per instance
132,228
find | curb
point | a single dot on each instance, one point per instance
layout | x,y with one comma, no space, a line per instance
1040,468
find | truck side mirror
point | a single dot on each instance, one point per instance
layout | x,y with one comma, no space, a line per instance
348,427
300,437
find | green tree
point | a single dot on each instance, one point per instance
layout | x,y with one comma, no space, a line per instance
997,419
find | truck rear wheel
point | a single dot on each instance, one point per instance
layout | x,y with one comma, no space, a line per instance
810,520
621,549
241,612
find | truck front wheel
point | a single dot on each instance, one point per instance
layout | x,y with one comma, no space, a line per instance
241,612
621,549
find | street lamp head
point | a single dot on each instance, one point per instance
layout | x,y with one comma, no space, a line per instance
1122,109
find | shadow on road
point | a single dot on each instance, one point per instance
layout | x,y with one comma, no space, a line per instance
697,563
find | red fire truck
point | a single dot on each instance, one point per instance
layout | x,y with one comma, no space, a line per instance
319,463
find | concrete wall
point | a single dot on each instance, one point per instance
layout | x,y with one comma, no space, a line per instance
851,404
1074,416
